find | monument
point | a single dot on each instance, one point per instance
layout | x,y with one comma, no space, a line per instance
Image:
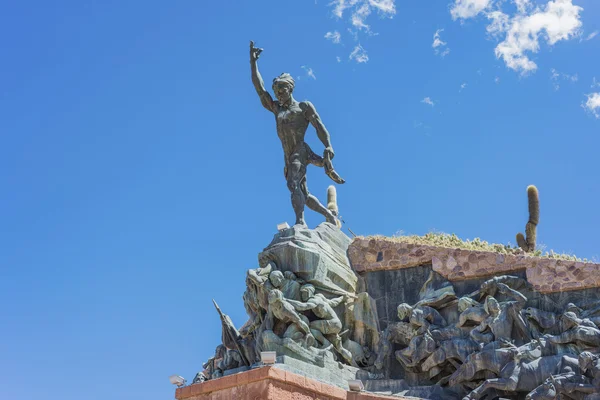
390,318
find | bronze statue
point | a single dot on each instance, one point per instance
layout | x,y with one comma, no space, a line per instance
292,118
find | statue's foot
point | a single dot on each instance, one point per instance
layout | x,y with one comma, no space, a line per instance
301,222
347,355
332,219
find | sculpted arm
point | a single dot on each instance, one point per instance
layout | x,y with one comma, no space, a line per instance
310,113
302,306
335,302
565,337
519,298
257,81
478,335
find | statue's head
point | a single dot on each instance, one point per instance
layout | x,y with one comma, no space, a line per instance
276,278
220,351
570,320
275,295
283,86
307,291
573,308
492,306
585,360
464,303
404,311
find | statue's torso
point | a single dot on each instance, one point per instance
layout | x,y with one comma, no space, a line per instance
291,127
501,326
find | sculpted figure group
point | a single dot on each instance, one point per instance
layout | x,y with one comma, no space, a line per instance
490,345
283,307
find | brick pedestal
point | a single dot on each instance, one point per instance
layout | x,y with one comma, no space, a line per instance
270,383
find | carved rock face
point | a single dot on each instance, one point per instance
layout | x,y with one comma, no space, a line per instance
317,256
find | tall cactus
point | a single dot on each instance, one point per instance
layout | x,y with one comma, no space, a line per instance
332,200
527,242
332,204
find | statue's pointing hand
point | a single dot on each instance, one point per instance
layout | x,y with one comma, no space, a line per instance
254,52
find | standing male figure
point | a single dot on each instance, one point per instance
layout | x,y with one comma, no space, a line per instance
292,119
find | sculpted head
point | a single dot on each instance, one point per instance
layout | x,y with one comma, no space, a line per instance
220,351
276,278
404,311
585,360
283,86
465,303
570,320
275,295
307,291
574,309
492,306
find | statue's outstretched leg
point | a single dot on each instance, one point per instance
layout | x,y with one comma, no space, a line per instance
314,204
296,174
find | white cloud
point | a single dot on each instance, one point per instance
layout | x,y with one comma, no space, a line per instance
338,59
357,13
309,72
437,42
462,86
556,76
591,35
497,79
522,5
559,20
499,24
595,83
464,9
361,9
334,36
592,104
428,101
439,45
359,17
359,54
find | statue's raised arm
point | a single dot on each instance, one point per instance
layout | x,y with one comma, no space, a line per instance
259,85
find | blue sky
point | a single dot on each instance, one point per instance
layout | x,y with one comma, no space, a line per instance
141,175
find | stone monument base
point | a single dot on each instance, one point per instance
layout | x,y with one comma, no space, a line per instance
271,383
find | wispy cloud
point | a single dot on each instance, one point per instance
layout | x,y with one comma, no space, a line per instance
595,83
591,35
358,14
497,79
359,54
522,31
464,9
439,46
428,101
592,104
499,23
360,10
556,77
462,87
309,72
420,126
338,59
334,36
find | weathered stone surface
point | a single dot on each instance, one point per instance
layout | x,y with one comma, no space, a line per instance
317,256
545,274
363,317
